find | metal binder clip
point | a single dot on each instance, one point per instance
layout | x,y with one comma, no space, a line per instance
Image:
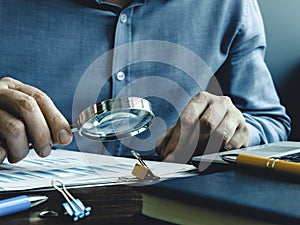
142,171
74,207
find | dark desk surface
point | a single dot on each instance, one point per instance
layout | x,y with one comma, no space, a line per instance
110,205
122,205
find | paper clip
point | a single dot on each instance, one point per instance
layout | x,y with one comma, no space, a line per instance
142,171
74,207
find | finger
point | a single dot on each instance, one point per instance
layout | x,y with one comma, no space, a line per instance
2,154
239,139
163,141
184,140
60,129
26,108
228,127
59,126
12,131
209,140
172,141
194,109
182,143
215,113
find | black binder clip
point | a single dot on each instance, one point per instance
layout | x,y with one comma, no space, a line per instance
141,170
74,207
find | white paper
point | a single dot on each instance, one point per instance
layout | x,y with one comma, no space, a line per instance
78,169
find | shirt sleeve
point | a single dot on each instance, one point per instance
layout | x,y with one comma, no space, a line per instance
246,79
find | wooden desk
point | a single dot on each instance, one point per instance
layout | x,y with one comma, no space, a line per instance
110,205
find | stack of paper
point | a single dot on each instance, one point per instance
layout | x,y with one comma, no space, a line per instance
79,169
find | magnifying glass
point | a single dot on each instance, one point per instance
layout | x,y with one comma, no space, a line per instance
115,118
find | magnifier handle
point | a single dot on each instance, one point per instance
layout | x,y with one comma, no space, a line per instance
73,127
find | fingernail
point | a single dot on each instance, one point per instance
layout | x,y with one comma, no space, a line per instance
186,120
46,151
64,137
2,155
228,147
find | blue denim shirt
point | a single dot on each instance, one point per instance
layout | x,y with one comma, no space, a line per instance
166,50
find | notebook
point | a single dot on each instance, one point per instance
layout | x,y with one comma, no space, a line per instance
289,150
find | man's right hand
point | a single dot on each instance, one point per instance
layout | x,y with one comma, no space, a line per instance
27,115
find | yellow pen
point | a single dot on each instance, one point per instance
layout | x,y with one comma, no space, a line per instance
272,164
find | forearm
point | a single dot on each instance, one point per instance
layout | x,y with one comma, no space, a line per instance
245,78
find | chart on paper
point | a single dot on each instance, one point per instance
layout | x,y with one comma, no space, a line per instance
77,169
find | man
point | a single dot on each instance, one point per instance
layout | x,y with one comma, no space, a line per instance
200,64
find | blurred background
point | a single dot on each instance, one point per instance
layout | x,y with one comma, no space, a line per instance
282,25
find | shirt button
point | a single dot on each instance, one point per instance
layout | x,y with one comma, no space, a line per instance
123,18
120,76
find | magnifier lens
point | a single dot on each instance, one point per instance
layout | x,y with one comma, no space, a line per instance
116,122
